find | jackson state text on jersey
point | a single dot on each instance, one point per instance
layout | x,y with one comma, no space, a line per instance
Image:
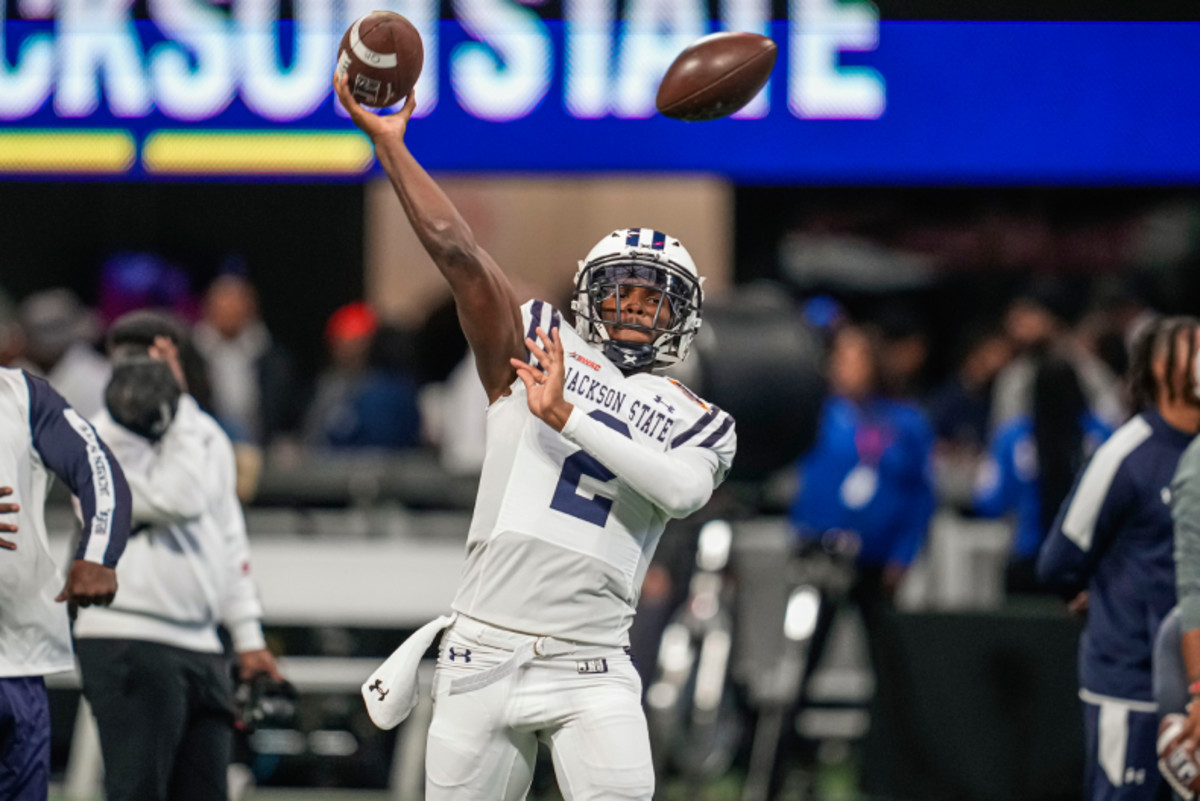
558,544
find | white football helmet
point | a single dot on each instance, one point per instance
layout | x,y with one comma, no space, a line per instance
647,258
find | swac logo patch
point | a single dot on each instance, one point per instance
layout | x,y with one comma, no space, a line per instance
689,393
584,361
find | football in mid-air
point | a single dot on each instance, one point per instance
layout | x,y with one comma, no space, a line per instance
1178,763
382,53
715,76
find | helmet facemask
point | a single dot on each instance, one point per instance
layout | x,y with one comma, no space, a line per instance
675,315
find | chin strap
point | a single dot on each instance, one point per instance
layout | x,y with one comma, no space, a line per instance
630,356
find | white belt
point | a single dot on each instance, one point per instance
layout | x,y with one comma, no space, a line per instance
528,647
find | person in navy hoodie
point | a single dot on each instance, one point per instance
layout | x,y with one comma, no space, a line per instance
1113,539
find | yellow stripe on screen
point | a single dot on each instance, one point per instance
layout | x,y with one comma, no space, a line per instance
258,153
51,151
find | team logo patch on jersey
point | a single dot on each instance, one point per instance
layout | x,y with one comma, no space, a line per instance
689,393
584,361
592,665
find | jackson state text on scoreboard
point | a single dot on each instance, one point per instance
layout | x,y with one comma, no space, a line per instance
204,88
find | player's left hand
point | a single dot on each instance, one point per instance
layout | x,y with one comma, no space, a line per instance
544,384
88,584
257,662
11,528
378,127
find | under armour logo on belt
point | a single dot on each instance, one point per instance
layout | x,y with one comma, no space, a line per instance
378,687
464,654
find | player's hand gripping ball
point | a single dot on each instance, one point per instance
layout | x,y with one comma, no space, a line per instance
1178,761
382,54
716,76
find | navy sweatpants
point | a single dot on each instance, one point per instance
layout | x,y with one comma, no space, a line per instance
1121,763
24,739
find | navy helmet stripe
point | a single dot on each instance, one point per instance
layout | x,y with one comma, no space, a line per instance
659,241
631,239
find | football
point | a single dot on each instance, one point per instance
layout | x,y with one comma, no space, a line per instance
1179,765
715,76
382,53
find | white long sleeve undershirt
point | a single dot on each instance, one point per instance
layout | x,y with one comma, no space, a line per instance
678,481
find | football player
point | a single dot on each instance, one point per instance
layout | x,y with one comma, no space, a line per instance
42,437
1114,540
588,454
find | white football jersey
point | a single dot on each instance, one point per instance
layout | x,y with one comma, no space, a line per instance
558,544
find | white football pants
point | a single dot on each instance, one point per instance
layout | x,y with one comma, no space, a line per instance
583,701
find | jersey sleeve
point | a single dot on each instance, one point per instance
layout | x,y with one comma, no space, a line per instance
241,609
709,429
538,314
1092,515
71,449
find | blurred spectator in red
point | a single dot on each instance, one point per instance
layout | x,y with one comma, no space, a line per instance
253,382
59,332
1035,325
364,398
132,281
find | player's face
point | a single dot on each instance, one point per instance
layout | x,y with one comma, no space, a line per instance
638,306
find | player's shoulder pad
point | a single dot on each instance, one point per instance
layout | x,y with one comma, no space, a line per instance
537,314
701,424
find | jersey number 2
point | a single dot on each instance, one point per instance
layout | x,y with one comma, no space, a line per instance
567,499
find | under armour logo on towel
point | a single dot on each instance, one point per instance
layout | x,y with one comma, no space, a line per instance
378,687
464,654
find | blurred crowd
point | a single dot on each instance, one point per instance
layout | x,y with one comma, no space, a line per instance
1027,398
364,395
994,423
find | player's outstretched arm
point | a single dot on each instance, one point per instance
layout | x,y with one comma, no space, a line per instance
487,306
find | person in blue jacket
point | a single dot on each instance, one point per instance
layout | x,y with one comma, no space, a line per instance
869,473
1013,479
868,481
1113,538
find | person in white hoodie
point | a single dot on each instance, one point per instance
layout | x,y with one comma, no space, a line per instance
153,665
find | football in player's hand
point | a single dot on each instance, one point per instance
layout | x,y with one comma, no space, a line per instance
382,53
716,76
1179,763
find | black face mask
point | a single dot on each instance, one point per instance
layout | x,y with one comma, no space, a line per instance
630,357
